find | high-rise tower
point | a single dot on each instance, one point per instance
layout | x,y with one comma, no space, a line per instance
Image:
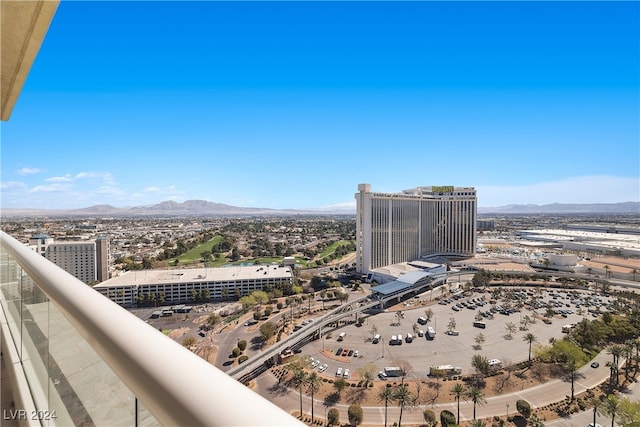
417,223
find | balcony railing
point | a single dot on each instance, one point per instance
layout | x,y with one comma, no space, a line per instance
76,358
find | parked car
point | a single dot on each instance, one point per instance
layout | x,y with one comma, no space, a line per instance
595,364
339,372
346,373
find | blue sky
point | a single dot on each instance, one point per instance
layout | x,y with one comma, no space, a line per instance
293,104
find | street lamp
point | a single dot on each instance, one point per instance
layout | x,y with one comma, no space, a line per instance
507,411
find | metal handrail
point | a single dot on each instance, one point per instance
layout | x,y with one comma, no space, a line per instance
176,386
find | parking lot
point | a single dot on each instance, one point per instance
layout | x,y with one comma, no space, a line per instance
456,350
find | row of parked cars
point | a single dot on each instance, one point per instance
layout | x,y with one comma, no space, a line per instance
347,352
315,363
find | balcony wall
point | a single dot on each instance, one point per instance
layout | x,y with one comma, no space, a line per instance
72,353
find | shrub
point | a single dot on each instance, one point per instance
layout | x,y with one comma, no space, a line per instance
242,345
447,417
429,417
356,414
523,408
333,416
242,359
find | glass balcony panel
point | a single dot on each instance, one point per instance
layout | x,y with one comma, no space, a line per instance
68,381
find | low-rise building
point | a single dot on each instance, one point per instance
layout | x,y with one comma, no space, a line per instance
179,286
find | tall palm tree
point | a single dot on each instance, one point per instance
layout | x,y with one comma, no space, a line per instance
611,407
475,395
530,338
299,379
597,404
613,374
385,395
616,351
313,383
628,354
403,396
458,391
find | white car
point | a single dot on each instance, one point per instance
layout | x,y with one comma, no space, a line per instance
346,373
315,363
323,367
356,353
339,372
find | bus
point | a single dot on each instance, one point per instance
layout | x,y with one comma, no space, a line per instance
481,325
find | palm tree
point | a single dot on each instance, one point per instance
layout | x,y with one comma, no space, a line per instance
611,407
299,379
530,338
475,395
628,354
613,374
340,384
478,423
458,391
403,396
597,403
385,395
571,366
535,421
313,382
615,351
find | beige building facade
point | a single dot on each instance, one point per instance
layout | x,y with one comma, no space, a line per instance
392,228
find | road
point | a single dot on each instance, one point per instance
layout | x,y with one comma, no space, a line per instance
541,395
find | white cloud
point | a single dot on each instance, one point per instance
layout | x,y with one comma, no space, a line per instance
13,186
29,171
582,189
66,178
55,187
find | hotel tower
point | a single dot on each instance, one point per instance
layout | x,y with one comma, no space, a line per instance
426,221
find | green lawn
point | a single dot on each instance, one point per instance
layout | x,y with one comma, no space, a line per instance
331,248
193,255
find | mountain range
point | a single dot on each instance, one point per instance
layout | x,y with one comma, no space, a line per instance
204,208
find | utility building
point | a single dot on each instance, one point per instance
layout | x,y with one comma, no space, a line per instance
416,224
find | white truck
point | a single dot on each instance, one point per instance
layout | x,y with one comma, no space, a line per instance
431,333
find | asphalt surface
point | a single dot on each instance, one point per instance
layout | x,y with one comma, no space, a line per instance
444,349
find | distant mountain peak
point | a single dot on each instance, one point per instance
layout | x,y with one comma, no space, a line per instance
565,208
